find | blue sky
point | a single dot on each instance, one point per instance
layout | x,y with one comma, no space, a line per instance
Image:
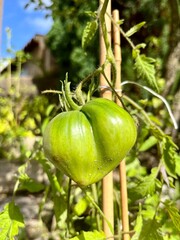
23,23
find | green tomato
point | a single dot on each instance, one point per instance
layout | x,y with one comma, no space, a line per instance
87,144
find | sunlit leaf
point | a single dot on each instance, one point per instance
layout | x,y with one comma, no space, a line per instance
134,29
145,70
168,150
29,184
144,186
138,226
11,220
49,109
150,142
150,205
151,231
140,45
91,14
177,159
89,32
90,236
168,156
120,22
81,206
60,209
174,214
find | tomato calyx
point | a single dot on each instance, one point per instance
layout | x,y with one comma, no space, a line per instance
68,97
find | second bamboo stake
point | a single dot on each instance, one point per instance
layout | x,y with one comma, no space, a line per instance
122,166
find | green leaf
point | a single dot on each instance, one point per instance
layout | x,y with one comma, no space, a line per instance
60,209
145,70
49,109
11,220
134,29
138,226
150,205
120,22
145,186
151,230
91,14
168,151
29,184
174,214
88,33
81,206
168,156
150,142
177,159
141,45
90,236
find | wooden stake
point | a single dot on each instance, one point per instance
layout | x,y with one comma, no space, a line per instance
122,166
107,183
106,93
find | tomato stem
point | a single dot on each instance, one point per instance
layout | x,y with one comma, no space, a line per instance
95,196
68,207
68,94
110,56
91,200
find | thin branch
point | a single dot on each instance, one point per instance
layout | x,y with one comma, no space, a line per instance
158,96
115,23
68,208
109,52
91,200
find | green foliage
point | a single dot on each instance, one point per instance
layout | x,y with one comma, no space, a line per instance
89,32
81,206
134,29
169,156
138,226
145,69
151,230
168,150
144,186
27,183
150,142
70,21
90,236
20,119
11,220
173,213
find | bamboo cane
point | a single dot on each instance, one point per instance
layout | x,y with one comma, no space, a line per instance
107,183
122,166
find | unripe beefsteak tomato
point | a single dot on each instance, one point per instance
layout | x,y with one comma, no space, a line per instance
87,144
